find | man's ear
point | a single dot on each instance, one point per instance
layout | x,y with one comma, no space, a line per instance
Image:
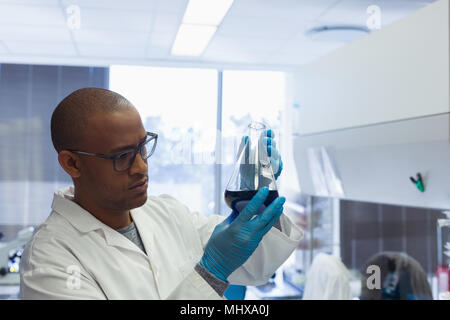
70,162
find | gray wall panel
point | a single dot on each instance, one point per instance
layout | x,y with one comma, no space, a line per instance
29,170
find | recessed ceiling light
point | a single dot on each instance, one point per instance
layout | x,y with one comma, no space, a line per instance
199,24
337,33
191,40
209,12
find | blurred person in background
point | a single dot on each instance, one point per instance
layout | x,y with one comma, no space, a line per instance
402,278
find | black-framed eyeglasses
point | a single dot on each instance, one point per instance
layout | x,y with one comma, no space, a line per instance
123,160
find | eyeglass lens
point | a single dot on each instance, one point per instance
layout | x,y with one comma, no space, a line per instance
124,160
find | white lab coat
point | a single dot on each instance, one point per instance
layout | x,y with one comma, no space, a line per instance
327,279
75,256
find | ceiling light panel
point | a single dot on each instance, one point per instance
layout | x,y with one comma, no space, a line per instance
206,12
191,40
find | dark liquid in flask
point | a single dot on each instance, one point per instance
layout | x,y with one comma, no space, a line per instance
232,198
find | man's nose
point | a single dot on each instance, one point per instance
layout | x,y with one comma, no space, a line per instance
139,165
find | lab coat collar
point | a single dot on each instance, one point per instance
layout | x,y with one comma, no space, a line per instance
84,221
64,204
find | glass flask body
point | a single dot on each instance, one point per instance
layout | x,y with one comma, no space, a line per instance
252,170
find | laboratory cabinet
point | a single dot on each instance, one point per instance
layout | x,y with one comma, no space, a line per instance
395,73
374,115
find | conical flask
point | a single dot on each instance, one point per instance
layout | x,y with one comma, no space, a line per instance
252,170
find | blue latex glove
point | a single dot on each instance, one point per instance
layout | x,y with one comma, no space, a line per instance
237,237
275,158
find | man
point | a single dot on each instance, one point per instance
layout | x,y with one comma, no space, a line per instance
105,239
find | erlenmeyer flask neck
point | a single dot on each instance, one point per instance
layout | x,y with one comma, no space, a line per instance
258,126
255,129
255,144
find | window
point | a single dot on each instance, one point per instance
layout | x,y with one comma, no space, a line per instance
181,106
247,96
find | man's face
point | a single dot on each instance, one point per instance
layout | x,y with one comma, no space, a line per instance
110,134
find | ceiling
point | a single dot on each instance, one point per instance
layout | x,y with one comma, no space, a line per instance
254,33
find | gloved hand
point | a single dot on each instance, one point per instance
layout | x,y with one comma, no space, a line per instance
275,158
235,239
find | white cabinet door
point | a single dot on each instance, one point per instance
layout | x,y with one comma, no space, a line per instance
399,72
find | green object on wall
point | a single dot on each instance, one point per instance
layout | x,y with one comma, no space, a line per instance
419,182
420,186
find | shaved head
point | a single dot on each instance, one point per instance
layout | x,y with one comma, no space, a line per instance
71,116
